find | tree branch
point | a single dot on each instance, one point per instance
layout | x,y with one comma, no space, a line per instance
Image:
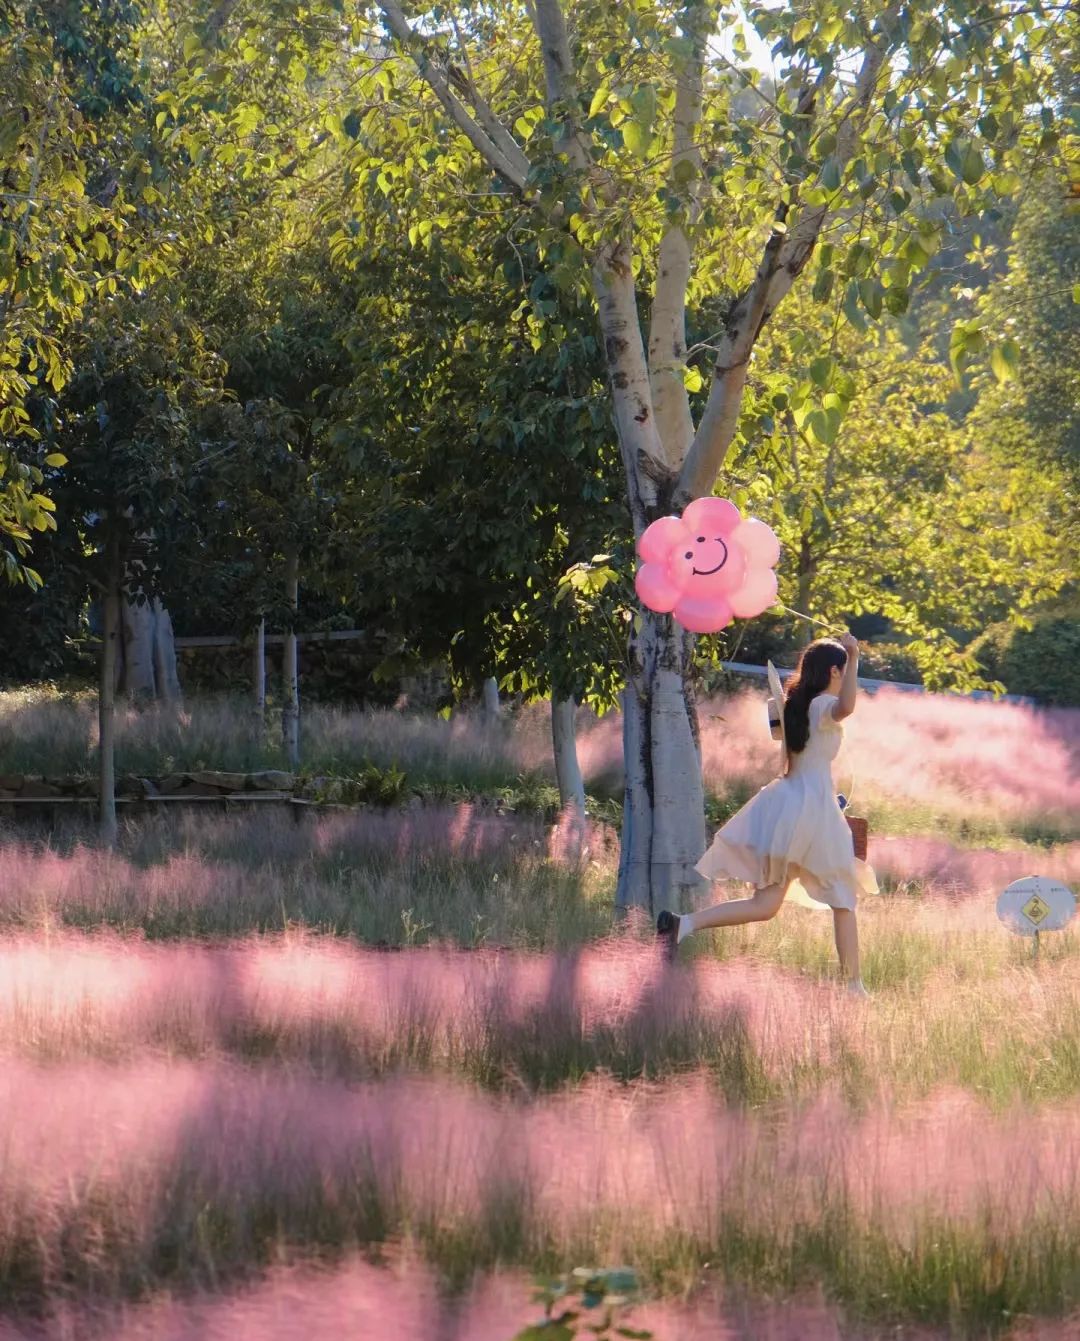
502,139
481,127
783,258
550,26
667,327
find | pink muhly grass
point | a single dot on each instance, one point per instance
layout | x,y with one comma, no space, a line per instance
403,1302
525,1022
936,751
110,1176
462,873
943,752
1000,755
500,1017
942,867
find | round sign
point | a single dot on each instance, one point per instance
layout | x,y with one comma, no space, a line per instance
1036,903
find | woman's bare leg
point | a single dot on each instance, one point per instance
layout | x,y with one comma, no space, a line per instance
846,931
763,904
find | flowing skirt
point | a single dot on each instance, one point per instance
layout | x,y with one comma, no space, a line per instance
793,833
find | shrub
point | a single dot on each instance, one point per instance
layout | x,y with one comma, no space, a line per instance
889,661
1042,662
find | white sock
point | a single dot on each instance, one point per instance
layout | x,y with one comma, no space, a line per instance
686,926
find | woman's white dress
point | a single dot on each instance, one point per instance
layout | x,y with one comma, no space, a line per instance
793,831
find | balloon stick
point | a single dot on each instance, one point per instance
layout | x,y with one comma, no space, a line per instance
832,628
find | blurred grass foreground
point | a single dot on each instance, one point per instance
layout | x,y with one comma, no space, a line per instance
227,1111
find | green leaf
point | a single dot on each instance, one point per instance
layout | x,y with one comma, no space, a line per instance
56,459
967,339
830,174
643,101
963,156
684,171
821,370
636,138
823,284
897,299
622,1279
858,259
1003,360
870,292
11,126
1076,293
852,310
824,425
600,99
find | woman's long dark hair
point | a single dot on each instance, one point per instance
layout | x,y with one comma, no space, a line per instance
810,679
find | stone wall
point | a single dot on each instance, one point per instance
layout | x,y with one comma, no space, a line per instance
268,784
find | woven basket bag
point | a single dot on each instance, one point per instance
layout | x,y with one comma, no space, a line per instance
860,832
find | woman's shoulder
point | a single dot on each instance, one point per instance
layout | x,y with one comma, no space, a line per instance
821,713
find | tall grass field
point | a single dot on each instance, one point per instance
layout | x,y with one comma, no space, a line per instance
373,1071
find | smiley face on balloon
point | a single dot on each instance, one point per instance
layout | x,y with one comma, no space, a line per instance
707,567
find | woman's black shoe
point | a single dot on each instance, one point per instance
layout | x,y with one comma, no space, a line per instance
667,930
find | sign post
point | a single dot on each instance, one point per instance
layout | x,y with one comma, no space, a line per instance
1036,904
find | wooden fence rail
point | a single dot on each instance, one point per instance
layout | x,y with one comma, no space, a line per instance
229,640
226,640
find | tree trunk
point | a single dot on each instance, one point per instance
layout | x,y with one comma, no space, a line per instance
146,661
805,590
489,697
165,673
137,678
663,834
258,673
110,638
290,709
567,768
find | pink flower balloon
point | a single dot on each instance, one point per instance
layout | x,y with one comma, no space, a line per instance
708,566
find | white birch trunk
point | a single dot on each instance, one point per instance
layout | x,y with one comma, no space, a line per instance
564,748
664,804
489,697
667,325
290,709
647,475
110,638
138,678
165,673
258,673
663,834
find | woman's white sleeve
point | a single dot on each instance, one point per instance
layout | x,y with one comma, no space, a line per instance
821,712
